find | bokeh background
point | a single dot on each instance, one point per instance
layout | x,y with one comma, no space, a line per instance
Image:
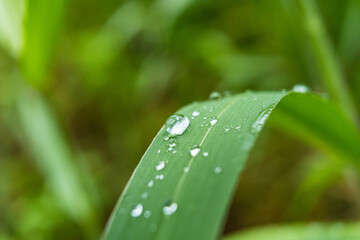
85,86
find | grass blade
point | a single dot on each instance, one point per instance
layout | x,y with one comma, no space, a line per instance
201,185
335,231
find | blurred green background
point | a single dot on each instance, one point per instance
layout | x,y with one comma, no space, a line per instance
85,86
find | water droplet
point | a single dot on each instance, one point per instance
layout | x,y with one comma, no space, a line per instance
226,93
174,151
121,211
158,151
217,170
194,150
177,124
227,129
205,154
260,121
137,210
147,214
172,144
211,108
205,117
215,95
238,128
195,113
186,169
301,88
144,195
150,184
160,166
166,138
213,121
160,177
153,227
170,208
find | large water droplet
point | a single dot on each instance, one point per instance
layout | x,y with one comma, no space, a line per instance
170,208
301,88
177,124
217,170
137,210
195,150
195,113
213,121
215,95
260,121
160,166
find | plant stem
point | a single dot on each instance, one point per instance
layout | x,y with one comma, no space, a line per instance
333,77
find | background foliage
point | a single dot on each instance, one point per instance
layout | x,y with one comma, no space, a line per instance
84,87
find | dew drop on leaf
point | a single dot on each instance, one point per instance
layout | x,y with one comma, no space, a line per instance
150,184
195,150
214,95
195,113
144,195
260,121
160,177
217,170
160,166
147,214
205,154
169,208
213,121
301,88
137,210
186,169
177,124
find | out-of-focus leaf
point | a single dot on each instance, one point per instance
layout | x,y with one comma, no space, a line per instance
11,27
54,158
42,28
350,36
311,231
321,173
176,193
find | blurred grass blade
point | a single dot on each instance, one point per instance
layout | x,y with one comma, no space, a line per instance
11,28
316,121
321,173
311,231
43,22
196,188
55,160
350,35
333,77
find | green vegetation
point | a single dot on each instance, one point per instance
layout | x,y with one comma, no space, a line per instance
84,86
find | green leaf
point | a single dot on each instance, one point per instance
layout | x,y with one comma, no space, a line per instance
335,231
203,193
42,28
45,141
11,18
